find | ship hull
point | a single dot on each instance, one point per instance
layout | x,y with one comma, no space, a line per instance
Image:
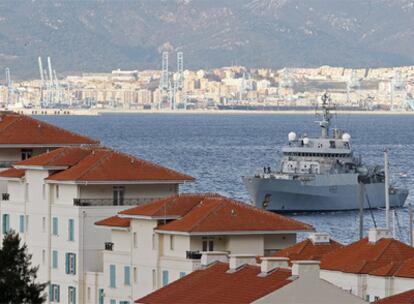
283,195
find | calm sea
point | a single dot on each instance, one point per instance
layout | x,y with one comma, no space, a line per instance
217,149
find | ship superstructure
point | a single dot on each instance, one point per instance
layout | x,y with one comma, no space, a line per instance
321,174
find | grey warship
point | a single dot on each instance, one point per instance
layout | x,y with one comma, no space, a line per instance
321,174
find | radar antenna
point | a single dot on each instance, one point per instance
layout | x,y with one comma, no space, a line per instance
325,123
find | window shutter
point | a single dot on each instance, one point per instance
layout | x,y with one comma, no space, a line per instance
67,263
74,263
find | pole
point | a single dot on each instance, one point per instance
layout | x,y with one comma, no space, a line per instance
410,212
361,210
387,194
394,231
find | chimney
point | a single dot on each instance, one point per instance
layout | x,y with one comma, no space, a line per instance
271,263
238,260
319,238
209,257
309,269
375,234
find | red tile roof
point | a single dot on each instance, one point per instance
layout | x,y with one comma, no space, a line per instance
16,129
172,206
114,221
401,298
102,164
307,250
215,285
209,213
12,172
403,269
364,257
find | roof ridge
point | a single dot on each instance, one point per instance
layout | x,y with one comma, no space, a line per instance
99,161
207,215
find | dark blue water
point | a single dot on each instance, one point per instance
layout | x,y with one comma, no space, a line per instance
217,149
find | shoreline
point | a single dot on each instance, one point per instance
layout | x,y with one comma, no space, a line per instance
94,112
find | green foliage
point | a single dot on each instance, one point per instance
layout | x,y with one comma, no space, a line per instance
17,276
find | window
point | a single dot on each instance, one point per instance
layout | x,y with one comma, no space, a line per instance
154,279
112,302
43,191
21,223
153,241
208,244
71,295
134,235
71,230
26,153
118,196
112,276
6,223
123,302
182,274
89,294
70,263
171,242
376,298
127,275
135,274
57,191
55,259
101,296
367,298
55,226
43,224
54,293
165,277
43,256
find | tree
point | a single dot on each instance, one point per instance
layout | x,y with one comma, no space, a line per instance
17,276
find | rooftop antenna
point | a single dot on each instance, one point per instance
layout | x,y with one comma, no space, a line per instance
325,123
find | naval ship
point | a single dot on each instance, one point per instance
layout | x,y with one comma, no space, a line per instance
321,174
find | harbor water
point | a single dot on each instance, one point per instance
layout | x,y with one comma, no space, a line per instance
217,149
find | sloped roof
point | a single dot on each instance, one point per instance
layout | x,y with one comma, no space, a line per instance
17,129
13,173
307,250
210,213
114,221
403,269
401,298
98,164
364,257
215,285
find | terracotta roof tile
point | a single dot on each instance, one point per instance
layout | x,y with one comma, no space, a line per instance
172,206
102,164
114,221
364,257
403,269
221,214
307,250
16,129
215,285
401,298
12,172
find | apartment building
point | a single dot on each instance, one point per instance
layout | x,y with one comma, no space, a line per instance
53,200
354,266
241,280
22,137
157,243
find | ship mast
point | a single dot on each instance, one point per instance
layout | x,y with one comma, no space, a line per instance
325,123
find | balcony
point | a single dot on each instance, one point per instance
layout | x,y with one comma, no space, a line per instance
109,246
193,255
5,196
84,202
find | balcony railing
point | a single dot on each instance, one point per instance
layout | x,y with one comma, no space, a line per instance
5,196
193,255
111,202
6,164
109,246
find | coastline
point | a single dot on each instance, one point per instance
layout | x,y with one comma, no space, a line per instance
94,112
